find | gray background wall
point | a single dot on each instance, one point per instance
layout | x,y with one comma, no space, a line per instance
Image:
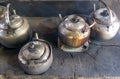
53,7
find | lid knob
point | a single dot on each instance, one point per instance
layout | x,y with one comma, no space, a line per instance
105,13
31,46
75,19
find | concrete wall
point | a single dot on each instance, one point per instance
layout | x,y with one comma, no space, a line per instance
52,8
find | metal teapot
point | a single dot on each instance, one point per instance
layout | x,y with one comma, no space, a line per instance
107,24
36,56
74,31
14,29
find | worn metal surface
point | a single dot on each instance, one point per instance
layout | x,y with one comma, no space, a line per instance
101,60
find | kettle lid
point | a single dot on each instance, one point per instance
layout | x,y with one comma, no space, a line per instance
15,21
74,22
102,16
37,51
34,49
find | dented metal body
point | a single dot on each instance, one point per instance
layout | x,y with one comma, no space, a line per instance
36,56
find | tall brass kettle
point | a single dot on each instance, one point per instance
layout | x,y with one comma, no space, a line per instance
14,29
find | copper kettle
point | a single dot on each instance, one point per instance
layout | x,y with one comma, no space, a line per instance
74,31
14,29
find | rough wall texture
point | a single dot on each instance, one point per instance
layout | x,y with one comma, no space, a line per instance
53,7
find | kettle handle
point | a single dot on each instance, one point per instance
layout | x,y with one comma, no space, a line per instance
94,22
7,13
108,8
86,17
36,38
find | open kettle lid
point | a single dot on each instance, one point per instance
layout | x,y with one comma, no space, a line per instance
102,15
74,22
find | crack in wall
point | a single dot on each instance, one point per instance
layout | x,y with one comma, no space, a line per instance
74,66
96,53
74,73
94,58
71,55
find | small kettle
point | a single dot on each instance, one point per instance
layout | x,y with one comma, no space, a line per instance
74,31
107,24
14,29
36,56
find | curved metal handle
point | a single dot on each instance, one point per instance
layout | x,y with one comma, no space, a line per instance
109,10
50,47
104,4
94,22
7,13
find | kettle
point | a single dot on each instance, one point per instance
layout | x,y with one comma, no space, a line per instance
14,29
74,31
36,56
107,24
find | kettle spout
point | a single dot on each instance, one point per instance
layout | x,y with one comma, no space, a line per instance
36,36
60,17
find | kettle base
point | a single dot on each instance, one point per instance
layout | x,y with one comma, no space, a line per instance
69,49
